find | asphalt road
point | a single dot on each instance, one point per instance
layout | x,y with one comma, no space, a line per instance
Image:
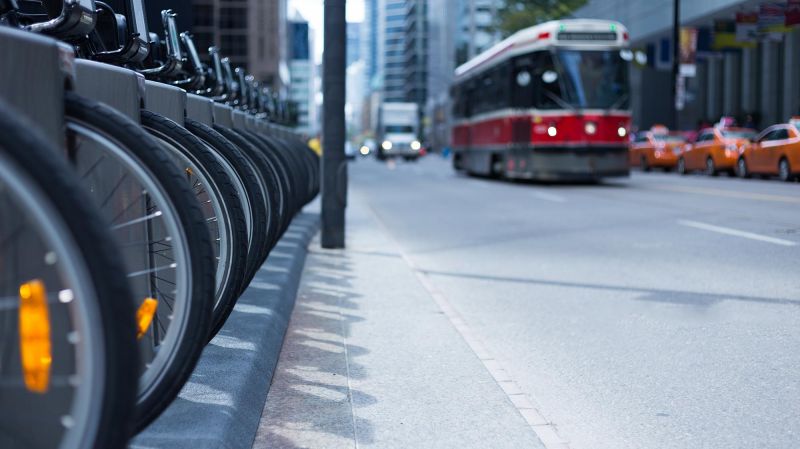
657,311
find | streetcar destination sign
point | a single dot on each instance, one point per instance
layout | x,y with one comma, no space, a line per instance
587,36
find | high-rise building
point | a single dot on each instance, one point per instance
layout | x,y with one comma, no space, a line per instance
416,52
458,30
370,44
301,70
394,50
353,42
476,27
356,77
252,33
755,76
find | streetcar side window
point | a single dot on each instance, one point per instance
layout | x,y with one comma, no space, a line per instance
522,83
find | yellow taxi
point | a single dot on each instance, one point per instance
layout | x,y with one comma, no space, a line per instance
657,148
715,150
776,151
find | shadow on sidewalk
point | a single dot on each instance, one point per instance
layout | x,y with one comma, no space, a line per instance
312,401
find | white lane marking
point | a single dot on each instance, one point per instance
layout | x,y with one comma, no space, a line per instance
550,197
736,233
544,429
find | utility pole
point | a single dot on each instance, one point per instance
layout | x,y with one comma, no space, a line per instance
334,164
676,62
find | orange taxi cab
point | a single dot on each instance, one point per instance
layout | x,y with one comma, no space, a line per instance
715,150
776,151
657,148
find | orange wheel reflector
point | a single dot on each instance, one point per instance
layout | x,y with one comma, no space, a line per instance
189,171
144,316
34,336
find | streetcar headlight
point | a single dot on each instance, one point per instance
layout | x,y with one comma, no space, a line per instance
386,145
415,145
590,128
552,131
622,132
364,150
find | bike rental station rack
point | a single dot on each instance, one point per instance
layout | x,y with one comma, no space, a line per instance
36,73
38,93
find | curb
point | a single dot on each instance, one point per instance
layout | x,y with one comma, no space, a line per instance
221,404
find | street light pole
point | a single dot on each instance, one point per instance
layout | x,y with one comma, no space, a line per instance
334,164
676,63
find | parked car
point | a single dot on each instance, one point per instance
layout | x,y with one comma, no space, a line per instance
716,150
776,151
656,148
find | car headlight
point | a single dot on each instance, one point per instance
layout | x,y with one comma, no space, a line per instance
552,131
590,128
415,145
622,132
386,145
364,150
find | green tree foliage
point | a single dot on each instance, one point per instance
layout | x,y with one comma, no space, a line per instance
519,14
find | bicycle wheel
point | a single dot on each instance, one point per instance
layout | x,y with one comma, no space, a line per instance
280,174
302,172
272,189
163,239
68,374
294,166
253,200
219,201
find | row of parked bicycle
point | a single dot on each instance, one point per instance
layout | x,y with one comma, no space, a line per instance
127,234
722,149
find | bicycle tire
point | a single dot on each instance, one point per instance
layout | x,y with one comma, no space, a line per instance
273,189
296,168
58,191
282,175
226,195
126,134
247,171
303,173
285,161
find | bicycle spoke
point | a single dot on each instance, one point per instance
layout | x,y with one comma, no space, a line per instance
136,220
151,270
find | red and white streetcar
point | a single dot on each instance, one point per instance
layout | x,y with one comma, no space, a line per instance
551,102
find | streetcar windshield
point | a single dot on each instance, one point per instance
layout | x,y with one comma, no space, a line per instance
594,79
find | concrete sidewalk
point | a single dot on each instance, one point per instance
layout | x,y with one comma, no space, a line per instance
371,360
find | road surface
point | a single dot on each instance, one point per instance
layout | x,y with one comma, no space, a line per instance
657,311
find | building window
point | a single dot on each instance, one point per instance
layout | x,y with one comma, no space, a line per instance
233,18
234,45
203,15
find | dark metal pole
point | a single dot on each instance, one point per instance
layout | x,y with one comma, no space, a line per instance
334,164
676,63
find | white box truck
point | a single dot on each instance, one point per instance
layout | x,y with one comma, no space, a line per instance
397,133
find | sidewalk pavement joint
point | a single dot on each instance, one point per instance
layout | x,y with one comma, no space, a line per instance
545,430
